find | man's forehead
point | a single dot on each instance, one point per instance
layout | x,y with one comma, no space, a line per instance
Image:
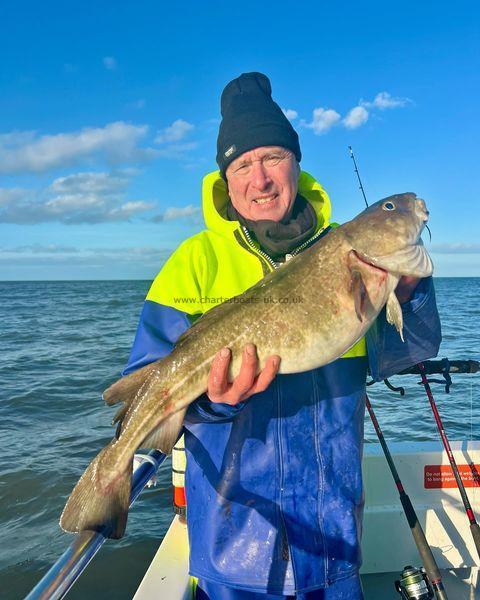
259,152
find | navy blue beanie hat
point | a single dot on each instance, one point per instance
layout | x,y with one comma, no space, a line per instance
250,119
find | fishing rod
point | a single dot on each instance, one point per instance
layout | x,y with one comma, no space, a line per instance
430,565
358,175
474,527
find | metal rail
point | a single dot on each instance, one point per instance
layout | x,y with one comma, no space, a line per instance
63,574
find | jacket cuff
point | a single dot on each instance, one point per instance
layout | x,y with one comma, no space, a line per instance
203,410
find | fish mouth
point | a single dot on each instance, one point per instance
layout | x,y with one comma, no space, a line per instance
412,260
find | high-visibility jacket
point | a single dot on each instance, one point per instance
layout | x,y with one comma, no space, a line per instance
274,484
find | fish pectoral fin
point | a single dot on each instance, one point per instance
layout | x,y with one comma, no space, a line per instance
359,292
394,313
165,436
90,507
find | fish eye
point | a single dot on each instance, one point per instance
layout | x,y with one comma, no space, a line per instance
388,206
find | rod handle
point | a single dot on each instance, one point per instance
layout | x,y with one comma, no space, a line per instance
440,592
475,529
428,560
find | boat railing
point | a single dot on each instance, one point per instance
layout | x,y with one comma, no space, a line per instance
71,564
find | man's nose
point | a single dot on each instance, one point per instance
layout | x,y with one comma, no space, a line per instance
260,177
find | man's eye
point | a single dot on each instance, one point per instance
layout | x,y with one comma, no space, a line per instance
241,168
273,159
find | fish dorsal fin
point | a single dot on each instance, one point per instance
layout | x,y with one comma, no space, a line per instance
165,436
394,313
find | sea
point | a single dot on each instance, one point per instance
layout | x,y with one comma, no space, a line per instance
64,342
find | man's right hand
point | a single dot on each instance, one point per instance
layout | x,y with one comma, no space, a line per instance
246,383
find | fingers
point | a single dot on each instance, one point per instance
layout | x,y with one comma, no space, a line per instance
217,378
246,376
266,376
246,383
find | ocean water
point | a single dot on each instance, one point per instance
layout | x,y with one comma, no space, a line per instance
63,343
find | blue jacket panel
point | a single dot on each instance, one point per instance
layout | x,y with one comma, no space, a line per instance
387,353
275,493
158,330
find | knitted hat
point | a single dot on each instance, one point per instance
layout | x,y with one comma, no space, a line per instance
250,119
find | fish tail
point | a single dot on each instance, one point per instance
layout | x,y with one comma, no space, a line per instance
95,504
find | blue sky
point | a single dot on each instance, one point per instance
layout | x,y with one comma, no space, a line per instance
109,113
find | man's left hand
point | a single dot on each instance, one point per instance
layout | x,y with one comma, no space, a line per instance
405,288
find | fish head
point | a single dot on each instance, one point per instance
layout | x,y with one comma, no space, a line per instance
388,235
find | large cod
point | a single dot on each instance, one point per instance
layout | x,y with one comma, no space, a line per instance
340,284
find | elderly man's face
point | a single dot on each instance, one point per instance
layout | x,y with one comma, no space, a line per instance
263,183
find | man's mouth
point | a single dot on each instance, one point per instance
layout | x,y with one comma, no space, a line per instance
265,199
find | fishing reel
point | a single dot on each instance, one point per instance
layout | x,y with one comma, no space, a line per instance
414,585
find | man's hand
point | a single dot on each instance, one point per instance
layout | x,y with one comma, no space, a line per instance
246,383
405,288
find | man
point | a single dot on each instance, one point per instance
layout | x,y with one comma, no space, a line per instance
273,479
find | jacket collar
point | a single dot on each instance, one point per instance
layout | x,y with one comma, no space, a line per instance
215,199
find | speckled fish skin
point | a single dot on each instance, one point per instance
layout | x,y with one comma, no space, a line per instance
333,290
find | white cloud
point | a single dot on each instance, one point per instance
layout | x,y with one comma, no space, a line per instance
90,182
16,138
185,211
384,100
29,152
459,248
290,113
88,260
175,132
177,151
87,197
356,117
80,198
40,249
175,212
323,120
11,195
110,63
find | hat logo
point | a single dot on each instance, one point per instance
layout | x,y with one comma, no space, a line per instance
230,151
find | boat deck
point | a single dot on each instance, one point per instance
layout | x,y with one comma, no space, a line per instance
387,542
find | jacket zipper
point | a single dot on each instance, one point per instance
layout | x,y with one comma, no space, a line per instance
284,544
289,255
319,233
268,258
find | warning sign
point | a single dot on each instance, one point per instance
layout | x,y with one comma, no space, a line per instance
441,476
